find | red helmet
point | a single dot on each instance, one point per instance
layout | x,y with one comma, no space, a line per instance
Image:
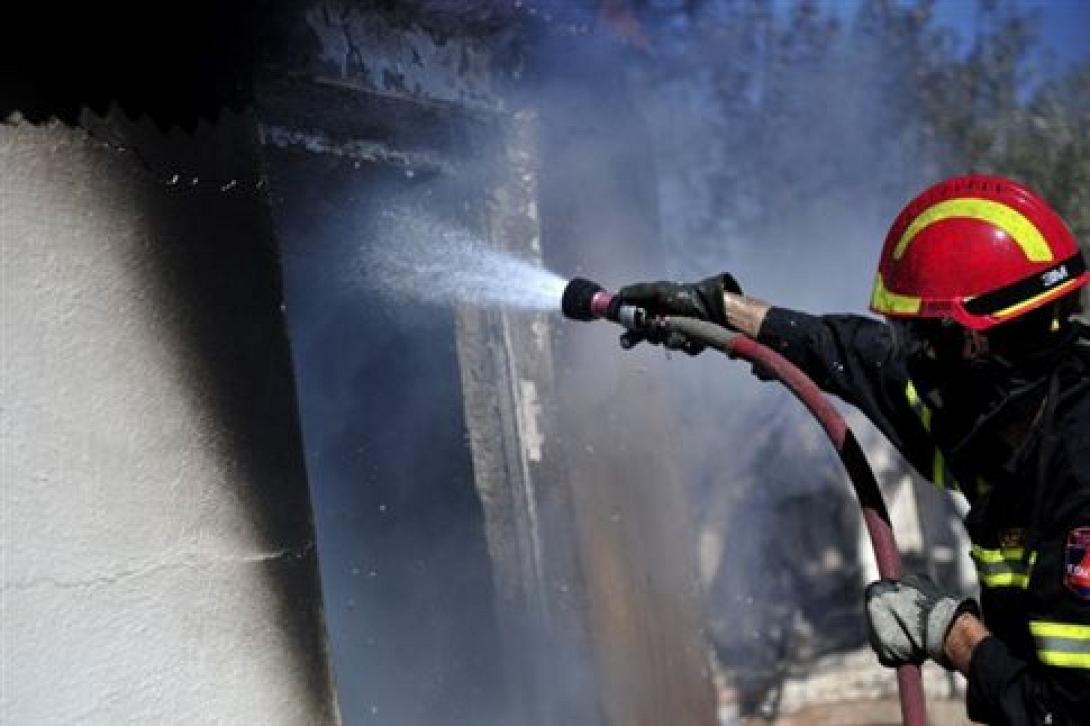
981,250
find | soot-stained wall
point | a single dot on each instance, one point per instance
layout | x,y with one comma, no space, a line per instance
159,554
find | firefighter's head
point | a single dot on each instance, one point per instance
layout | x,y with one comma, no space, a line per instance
978,269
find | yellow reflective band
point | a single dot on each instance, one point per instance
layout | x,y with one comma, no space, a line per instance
918,405
1056,291
912,395
1049,629
938,470
1004,567
1064,660
940,476
1064,645
1006,579
886,302
1008,219
1003,555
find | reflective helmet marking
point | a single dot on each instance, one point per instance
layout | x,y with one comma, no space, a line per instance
1054,292
1008,219
1006,301
885,301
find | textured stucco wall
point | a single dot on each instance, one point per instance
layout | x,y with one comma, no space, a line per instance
158,551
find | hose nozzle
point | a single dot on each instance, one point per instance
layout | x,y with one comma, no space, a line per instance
587,300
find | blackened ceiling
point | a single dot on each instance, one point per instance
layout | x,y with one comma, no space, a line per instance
181,62
175,62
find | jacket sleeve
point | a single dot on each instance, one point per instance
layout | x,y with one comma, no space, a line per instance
1005,690
851,357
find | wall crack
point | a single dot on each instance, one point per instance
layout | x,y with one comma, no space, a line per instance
185,561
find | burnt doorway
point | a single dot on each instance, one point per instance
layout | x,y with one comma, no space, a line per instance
405,568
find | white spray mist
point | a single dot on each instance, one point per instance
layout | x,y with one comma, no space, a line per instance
420,259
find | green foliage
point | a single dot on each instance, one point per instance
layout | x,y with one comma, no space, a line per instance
1046,143
988,121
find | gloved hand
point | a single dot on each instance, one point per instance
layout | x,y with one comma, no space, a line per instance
702,300
908,620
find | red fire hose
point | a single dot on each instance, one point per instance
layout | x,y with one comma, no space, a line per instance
736,345
586,300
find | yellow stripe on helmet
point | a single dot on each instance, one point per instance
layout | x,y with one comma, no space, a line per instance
1008,219
885,302
1054,292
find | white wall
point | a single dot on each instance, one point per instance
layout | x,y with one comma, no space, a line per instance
147,577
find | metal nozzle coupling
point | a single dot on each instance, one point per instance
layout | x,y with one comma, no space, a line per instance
586,300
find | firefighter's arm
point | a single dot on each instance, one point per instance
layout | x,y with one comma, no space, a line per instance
849,356
965,635
841,353
745,314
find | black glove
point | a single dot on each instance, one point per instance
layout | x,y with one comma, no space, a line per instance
908,620
702,300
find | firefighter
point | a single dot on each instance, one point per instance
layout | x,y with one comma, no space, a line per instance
980,377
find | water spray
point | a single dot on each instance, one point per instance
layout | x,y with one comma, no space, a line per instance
419,259
586,301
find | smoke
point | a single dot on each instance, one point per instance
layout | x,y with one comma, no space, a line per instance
777,147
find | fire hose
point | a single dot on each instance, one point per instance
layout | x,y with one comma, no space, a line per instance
586,300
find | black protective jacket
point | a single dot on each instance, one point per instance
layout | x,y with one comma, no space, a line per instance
1030,507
